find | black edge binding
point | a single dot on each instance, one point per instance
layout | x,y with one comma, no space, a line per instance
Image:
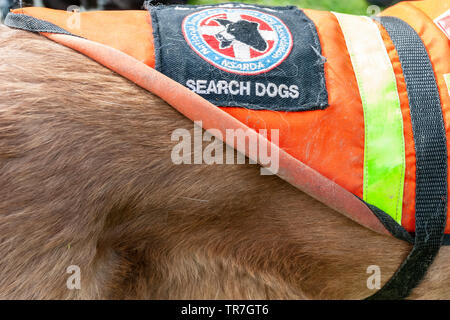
28,23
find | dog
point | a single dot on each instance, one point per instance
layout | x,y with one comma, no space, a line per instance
242,31
85,160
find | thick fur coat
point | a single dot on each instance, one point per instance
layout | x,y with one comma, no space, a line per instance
87,180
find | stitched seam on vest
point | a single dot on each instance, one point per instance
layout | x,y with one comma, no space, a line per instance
401,186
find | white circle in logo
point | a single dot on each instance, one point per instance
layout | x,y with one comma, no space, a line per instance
238,40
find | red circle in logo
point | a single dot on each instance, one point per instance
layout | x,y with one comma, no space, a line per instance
210,26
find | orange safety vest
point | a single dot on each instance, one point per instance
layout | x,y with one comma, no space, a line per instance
375,149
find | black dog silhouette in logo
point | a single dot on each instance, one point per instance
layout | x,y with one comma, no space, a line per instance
243,31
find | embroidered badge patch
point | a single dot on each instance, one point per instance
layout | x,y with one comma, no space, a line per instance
242,55
236,40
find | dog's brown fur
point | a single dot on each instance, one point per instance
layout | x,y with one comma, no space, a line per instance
86,179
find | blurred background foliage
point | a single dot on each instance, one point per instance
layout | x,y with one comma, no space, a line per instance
358,7
345,6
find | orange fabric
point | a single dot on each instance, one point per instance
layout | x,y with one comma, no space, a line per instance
409,192
432,8
330,141
322,150
438,47
130,33
197,108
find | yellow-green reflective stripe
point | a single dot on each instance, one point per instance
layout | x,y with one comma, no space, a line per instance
384,145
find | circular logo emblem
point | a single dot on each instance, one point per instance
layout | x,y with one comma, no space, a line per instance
236,40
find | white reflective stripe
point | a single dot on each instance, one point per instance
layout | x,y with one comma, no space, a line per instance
447,81
384,146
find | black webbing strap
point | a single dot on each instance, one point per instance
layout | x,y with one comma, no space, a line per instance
431,159
390,224
24,22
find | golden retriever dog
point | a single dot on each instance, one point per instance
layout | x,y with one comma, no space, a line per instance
87,180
